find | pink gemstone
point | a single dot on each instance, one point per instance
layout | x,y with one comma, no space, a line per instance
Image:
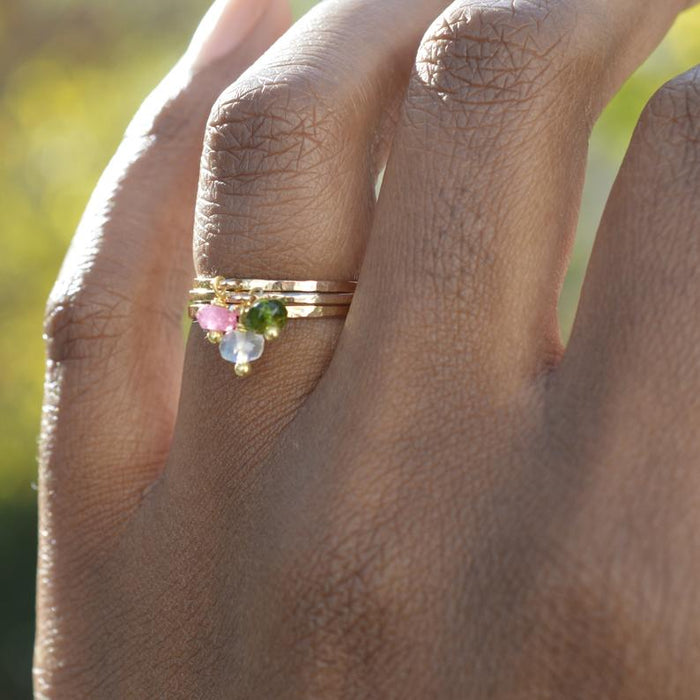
217,318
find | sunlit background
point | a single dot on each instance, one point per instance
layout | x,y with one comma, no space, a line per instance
71,74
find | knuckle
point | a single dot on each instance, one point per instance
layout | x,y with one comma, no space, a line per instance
496,52
275,126
77,325
340,609
674,113
271,153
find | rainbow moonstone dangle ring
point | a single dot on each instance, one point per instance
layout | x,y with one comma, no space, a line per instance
239,315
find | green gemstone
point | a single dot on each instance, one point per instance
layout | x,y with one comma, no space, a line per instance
269,313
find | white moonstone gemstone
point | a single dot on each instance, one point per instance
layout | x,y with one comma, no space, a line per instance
241,346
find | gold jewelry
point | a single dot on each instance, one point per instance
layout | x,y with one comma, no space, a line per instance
288,298
247,285
239,315
293,312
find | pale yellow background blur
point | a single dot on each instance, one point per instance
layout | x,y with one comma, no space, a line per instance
71,74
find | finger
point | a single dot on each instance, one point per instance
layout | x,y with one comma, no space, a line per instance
480,198
637,335
287,192
114,329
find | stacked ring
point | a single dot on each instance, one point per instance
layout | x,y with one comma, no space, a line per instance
239,315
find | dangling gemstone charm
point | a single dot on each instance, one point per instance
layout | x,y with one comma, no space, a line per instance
242,348
268,317
241,331
217,318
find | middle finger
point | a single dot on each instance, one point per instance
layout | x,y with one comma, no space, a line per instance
480,199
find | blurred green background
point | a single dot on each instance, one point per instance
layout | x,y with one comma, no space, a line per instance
72,72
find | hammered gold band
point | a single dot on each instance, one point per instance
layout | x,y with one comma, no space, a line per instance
237,284
289,298
294,312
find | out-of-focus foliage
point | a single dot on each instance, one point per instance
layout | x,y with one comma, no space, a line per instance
71,74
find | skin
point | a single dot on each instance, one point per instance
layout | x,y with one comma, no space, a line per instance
431,499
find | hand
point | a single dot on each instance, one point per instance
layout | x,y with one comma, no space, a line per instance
432,499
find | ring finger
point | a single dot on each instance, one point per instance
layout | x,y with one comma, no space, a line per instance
287,191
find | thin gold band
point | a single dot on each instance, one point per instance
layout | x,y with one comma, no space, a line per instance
301,311
234,284
289,298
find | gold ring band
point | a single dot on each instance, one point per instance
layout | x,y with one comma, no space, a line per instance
239,315
234,284
289,298
295,312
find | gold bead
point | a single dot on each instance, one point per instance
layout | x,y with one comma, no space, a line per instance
215,337
272,333
242,369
